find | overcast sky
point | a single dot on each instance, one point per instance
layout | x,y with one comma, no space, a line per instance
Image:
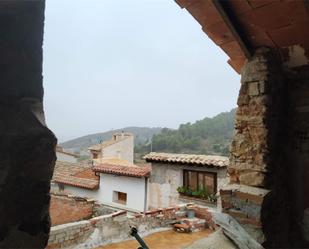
109,64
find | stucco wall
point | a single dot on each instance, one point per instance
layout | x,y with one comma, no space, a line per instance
65,157
82,192
132,186
166,178
123,149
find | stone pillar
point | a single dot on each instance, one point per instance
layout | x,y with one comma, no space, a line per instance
255,149
27,146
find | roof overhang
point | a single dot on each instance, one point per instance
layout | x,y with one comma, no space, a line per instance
241,26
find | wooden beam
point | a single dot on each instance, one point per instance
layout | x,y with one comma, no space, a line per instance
229,20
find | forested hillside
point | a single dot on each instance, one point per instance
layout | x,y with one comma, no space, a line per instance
141,136
206,136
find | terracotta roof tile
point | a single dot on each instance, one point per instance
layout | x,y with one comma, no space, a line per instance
199,160
125,170
75,174
271,23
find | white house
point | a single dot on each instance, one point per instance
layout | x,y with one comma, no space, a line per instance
114,182
178,178
75,178
65,156
121,146
124,184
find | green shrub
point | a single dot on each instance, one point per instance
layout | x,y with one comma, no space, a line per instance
181,189
189,191
212,197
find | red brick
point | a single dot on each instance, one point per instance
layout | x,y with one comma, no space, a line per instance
225,192
64,209
257,199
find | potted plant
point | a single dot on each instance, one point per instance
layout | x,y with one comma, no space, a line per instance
204,193
181,189
212,197
190,211
188,191
196,193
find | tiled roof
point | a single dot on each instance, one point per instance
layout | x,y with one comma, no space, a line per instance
198,160
239,27
125,170
75,174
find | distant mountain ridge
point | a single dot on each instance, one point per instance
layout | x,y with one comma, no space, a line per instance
141,136
207,136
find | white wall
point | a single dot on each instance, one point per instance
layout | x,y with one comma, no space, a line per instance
82,192
132,186
166,178
123,149
65,157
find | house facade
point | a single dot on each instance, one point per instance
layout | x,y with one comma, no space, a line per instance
121,146
177,178
76,179
114,182
124,186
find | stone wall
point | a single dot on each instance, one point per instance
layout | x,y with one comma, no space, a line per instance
257,120
64,209
256,159
111,228
269,152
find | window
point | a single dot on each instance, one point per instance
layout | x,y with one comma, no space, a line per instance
95,155
120,197
200,180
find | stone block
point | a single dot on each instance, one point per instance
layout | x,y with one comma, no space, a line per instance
257,199
262,87
253,88
243,99
252,178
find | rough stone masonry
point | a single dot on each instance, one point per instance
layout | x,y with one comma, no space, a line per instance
268,152
27,146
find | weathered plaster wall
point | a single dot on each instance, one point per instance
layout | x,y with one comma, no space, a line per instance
27,146
166,178
123,149
65,157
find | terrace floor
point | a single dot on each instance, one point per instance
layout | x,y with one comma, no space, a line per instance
160,240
